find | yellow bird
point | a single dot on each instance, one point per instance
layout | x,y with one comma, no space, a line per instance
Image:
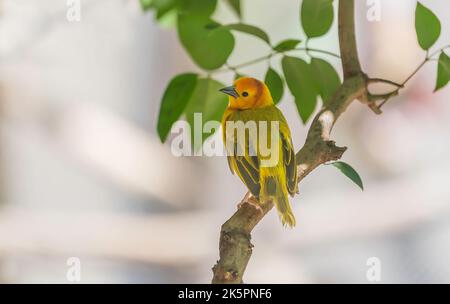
259,145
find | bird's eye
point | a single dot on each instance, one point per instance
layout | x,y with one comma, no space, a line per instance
245,94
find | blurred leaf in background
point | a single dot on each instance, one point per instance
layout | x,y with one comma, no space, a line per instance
286,45
326,78
275,84
236,6
209,49
300,81
205,100
249,29
165,10
174,101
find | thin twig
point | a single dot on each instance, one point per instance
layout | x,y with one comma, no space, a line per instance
381,80
308,49
428,58
229,68
415,71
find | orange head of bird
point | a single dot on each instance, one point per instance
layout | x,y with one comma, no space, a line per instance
248,93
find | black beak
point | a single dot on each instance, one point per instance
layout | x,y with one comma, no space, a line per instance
230,91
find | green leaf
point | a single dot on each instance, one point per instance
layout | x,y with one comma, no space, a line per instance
316,17
169,19
428,26
236,6
287,45
198,7
301,83
275,84
207,100
163,7
443,72
146,4
244,28
348,171
209,49
326,77
174,101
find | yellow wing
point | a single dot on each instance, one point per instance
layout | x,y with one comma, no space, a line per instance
290,165
247,167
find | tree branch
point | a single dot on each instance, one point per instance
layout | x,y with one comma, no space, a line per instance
347,40
235,248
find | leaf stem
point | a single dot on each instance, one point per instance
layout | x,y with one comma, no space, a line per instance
229,68
428,58
308,49
381,80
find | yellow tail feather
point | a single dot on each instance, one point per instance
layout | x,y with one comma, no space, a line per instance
272,189
284,210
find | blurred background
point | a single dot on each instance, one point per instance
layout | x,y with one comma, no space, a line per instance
83,173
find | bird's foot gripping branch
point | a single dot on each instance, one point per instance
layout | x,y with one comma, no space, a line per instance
308,81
